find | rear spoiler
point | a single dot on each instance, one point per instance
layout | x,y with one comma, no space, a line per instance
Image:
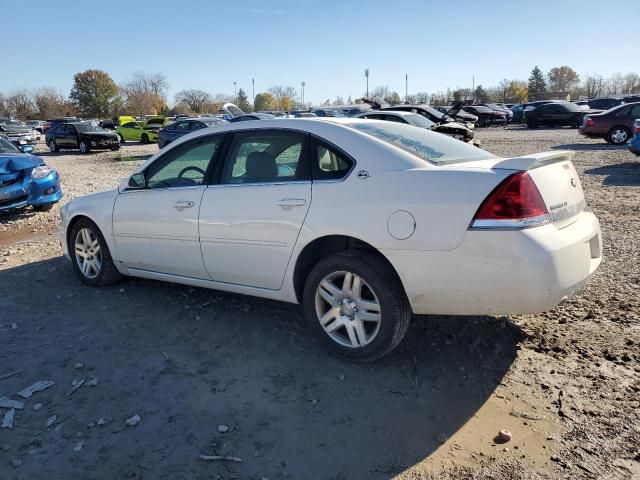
535,160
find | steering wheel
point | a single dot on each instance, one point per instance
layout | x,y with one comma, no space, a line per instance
187,169
285,171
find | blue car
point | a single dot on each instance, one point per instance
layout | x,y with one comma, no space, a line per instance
26,180
634,144
183,126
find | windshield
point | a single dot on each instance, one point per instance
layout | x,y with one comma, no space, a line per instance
7,147
87,127
436,113
418,120
572,107
430,146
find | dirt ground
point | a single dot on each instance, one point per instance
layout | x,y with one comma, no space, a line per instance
220,374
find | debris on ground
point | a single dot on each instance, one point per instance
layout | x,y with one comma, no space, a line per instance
7,420
223,429
75,385
92,382
133,421
51,420
219,458
10,374
37,407
8,403
504,436
36,387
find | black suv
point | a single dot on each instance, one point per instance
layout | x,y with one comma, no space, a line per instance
605,103
81,135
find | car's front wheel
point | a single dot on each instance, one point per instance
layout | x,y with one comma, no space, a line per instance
356,306
53,146
90,255
618,135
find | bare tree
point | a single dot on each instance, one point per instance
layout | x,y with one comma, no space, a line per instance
382,91
631,80
284,97
3,107
19,104
153,83
50,103
592,85
194,99
614,84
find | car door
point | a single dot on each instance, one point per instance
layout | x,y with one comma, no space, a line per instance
180,129
156,227
68,136
250,221
131,131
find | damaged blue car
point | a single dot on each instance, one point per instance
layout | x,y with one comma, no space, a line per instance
25,180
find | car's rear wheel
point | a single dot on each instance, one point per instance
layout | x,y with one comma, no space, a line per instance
533,123
356,306
84,146
618,135
145,139
90,255
53,146
576,122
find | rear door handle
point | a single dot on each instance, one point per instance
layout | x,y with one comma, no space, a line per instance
289,203
182,204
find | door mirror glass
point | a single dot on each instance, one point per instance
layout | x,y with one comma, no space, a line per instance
137,180
26,148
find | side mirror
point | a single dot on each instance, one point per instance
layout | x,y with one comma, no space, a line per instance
26,148
137,180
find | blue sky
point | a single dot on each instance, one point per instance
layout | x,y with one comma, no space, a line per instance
209,44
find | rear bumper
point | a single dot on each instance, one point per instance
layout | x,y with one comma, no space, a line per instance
502,272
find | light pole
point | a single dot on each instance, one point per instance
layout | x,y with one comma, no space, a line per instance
366,75
406,88
302,85
235,91
253,91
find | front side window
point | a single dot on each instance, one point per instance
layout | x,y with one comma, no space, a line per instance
184,166
635,111
266,157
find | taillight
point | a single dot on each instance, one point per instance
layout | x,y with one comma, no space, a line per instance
637,126
514,203
588,122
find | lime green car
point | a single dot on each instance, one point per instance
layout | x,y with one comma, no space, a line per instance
145,132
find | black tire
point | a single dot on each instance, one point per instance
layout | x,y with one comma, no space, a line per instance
115,148
394,306
84,147
144,139
108,273
482,122
532,123
576,122
53,146
43,208
613,135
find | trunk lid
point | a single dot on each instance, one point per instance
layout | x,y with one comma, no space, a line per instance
554,175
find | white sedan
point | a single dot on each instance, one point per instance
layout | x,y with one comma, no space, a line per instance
364,222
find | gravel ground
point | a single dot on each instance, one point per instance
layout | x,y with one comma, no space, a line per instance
191,362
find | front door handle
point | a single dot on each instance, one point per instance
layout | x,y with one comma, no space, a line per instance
289,203
182,204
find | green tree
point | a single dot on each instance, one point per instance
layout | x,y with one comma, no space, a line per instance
480,95
537,86
93,93
243,102
562,79
264,101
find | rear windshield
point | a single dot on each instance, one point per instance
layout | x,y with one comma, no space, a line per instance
433,147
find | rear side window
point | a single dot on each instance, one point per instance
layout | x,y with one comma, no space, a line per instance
266,157
427,145
329,164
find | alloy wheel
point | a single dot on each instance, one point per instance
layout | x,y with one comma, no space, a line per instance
619,136
348,309
52,145
83,147
88,253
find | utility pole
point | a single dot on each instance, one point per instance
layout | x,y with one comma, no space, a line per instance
406,88
253,92
473,89
302,85
235,91
366,75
